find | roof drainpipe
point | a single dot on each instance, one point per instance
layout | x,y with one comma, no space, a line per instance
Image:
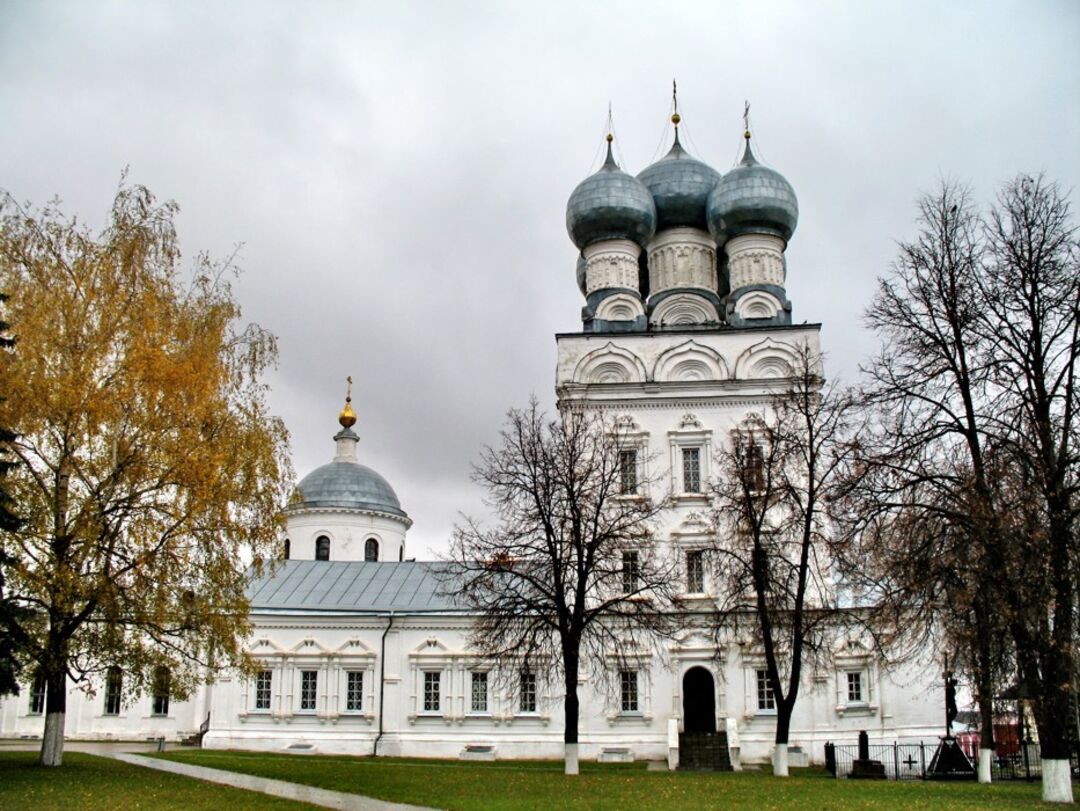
382,682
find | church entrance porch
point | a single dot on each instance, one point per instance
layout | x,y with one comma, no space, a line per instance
701,747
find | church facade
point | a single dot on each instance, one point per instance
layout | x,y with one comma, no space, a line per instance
686,330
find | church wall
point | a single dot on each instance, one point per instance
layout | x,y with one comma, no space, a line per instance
86,718
897,707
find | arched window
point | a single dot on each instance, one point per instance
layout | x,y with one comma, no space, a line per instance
401,553
371,549
288,549
322,548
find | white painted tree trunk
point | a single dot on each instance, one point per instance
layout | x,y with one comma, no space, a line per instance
780,767
52,743
571,758
1056,781
986,757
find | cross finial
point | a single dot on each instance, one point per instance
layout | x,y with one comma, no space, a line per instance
348,392
675,117
746,120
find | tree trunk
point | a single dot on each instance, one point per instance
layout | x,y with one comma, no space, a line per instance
52,741
984,689
783,730
571,710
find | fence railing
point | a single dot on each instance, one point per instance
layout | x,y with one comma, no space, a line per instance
910,761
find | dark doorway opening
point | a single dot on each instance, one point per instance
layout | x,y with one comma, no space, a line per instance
699,701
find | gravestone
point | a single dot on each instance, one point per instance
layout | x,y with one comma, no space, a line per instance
863,768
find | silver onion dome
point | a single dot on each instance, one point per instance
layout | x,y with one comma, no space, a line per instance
752,199
610,204
680,186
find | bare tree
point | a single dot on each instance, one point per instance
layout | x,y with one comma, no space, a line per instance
1031,346
771,556
965,491
571,578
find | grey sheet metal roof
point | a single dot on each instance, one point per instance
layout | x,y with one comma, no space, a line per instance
347,485
353,586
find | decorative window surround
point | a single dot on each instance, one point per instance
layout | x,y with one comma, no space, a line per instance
695,649
753,660
690,434
853,657
630,437
639,663
332,666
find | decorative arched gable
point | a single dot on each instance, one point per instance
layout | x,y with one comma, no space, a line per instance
769,359
682,309
690,361
610,364
619,307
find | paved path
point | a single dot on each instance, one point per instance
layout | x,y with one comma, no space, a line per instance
278,788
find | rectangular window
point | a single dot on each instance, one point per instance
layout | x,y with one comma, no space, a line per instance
630,572
754,467
160,699
262,689
37,694
528,692
354,691
114,684
691,470
628,471
628,688
695,572
432,690
309,689
479,692
854,687
765,698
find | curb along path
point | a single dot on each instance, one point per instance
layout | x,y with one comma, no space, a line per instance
278,788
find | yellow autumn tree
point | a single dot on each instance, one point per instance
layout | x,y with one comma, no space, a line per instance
148,472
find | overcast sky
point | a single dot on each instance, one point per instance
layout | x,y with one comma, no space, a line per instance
397,172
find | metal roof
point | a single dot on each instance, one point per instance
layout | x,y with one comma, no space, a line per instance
347,485
354,586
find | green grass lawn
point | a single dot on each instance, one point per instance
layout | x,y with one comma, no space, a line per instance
541,785
91,783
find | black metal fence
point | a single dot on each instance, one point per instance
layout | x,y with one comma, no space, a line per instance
910,761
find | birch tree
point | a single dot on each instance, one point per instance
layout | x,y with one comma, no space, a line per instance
149,469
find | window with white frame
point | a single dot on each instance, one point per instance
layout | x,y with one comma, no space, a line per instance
766,701
37,694
114,685
691,470
695,571
263,681
630,571
628,691
478,691
161,688
855,693
309,689
354,690
527,695
753,466
628,471
432,690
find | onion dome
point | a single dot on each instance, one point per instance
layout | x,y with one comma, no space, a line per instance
752,199
610,204
680,186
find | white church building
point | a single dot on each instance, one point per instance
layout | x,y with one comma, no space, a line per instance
686,330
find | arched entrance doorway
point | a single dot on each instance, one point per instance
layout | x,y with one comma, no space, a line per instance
699,701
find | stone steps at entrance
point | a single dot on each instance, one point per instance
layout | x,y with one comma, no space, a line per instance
704,751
